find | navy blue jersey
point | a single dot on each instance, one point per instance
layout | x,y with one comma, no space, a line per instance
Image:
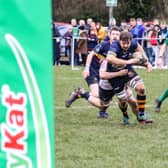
100,53
116,48
119,82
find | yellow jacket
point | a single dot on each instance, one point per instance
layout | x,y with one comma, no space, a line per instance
101,33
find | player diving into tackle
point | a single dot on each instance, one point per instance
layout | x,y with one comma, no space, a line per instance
91,75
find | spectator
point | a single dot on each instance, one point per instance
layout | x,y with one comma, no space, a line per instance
82,24
68,39
56,45
146,44
140,28
112,23
75,35
154,42
92,40
101,33
124,25
73,22
163,49
133,29
155,21
93,27
88,24
81,49
75,27
161,39
162,32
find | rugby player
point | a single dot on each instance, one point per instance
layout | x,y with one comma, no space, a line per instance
119,54
91,75
107,92
164,95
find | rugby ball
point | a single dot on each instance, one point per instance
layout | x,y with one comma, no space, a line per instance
140,57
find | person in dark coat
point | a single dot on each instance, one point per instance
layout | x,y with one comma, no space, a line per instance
56,45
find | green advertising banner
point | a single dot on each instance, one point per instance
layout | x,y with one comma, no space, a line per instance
26,112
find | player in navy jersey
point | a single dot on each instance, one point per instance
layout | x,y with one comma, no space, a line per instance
91,75
119,54
107,92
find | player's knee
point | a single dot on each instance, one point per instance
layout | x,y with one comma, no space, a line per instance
122,96
124,104
94,93
141,91
133,103
105,103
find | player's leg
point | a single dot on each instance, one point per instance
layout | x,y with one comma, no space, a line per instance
122,96
105,98
76,94
132,101
134,106
138,84
123,106
92,97
92,82
121,93
160,99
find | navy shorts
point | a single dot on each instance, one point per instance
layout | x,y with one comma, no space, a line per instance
92,80
106,95
118,84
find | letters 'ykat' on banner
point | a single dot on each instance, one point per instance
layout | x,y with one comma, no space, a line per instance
26,113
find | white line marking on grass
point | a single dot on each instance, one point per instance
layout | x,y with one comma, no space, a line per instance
74,107
114,105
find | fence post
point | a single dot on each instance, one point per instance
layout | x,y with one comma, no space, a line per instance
72,52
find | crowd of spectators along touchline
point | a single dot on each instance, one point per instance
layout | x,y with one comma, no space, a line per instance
87,34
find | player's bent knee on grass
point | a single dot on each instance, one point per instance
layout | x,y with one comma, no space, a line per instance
105,104
94,90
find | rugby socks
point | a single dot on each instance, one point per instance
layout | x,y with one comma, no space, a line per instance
123,107
85,95
125,114
141,100
163,96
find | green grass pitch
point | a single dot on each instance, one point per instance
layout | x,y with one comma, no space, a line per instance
83,141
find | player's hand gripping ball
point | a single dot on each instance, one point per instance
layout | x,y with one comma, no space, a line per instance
141,59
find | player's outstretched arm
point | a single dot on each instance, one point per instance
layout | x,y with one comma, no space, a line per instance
112,58
85,72
110,75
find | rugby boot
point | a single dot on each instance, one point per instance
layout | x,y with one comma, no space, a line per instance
158,105
126,120
144,119
103,114
76,94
